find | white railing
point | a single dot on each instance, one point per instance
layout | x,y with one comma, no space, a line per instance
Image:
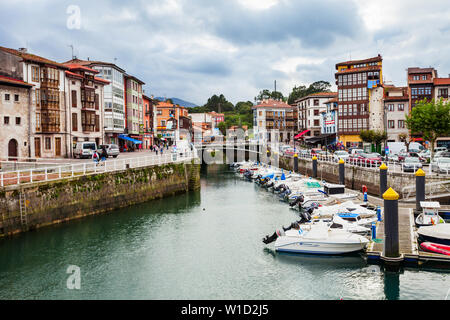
79,169
431,189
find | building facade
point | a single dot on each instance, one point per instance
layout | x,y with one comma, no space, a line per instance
274,121
173,122
134,110
150,123
310,109
329,119
85,101
15,129
114,97
396,107
360,98
48,118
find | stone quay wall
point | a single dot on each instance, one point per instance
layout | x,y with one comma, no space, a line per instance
47,203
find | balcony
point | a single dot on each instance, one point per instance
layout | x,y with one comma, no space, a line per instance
50,128
49,83
269,115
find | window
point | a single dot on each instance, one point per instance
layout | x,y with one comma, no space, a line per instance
97,123
6,120
74,98
16,98
391,124
48,143
424,77
97,99
38,122
38,97
401,107
401,124
6,96
74,122
316,102
18,121
316,123
35,74
443,93
163,123
316,112
415,78
390,107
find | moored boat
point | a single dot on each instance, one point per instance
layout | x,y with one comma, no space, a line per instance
436,248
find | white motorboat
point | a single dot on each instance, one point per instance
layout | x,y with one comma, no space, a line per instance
439,233
319,239
429,215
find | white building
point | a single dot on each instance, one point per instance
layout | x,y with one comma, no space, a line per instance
396,106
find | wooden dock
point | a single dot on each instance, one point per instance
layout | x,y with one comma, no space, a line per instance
410,253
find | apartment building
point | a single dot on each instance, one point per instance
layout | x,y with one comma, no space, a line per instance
134,110
15,129
114,97
360,98
173,122
396,106
310,109
274,120
150,123
48,118
85,102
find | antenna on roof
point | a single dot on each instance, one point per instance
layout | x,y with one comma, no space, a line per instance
70,45
115,59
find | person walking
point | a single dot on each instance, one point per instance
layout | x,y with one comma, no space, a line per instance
95,157
104,154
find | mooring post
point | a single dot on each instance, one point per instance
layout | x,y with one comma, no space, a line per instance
391,239
268,157
342,171
314,166
420,188
296,163
383,178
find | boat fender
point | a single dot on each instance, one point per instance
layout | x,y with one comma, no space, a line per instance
280,233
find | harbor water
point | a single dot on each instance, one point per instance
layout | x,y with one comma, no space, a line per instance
200,245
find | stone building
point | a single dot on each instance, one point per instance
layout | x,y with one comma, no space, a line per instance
15,105
396,106
48,119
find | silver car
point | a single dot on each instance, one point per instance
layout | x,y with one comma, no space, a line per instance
112,150
441,165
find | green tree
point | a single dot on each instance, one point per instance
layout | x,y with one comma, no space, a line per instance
303,91
219,103
267,94
244,107
430,119
222,127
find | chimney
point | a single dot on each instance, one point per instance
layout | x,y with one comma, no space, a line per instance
88,59
23,50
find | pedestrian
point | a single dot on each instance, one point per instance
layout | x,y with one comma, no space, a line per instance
156,150
95,157
162,148
104,154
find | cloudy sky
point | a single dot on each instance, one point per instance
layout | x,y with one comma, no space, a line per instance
192,49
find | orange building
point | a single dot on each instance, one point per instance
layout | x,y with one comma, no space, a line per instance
172,121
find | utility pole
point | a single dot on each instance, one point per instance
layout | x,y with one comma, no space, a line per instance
72,50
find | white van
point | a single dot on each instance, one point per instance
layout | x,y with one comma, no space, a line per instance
84,149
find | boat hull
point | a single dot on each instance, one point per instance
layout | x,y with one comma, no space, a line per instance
287,244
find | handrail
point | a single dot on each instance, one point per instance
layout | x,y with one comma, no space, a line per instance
85,168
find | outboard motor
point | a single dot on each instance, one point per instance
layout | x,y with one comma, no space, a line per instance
272,238
306,216
297,200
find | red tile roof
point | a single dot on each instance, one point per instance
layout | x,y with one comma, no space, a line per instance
33,58
355,70
102,80
270,103
420,70
12,81
72,74
346,63
77,66
94,63
441,81
318,95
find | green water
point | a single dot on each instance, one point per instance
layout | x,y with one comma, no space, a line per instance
201,245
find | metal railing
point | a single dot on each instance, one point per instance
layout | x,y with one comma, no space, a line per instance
432,189
85,168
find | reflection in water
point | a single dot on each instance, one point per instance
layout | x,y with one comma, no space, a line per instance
392,285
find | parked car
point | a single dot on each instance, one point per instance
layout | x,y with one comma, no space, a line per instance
411,164
403,155
315,151
341,154
84,149
437,149
441,165
372,159
354,151
112,150
289,151
283,148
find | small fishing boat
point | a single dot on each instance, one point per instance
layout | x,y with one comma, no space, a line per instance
436,248
438,233
319,239
430,214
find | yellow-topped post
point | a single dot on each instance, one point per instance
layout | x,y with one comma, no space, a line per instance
420,188
295,162
391,238
314,167
342,171
383,178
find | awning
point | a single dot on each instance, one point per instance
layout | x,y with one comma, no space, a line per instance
123,137
300,134
320,138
